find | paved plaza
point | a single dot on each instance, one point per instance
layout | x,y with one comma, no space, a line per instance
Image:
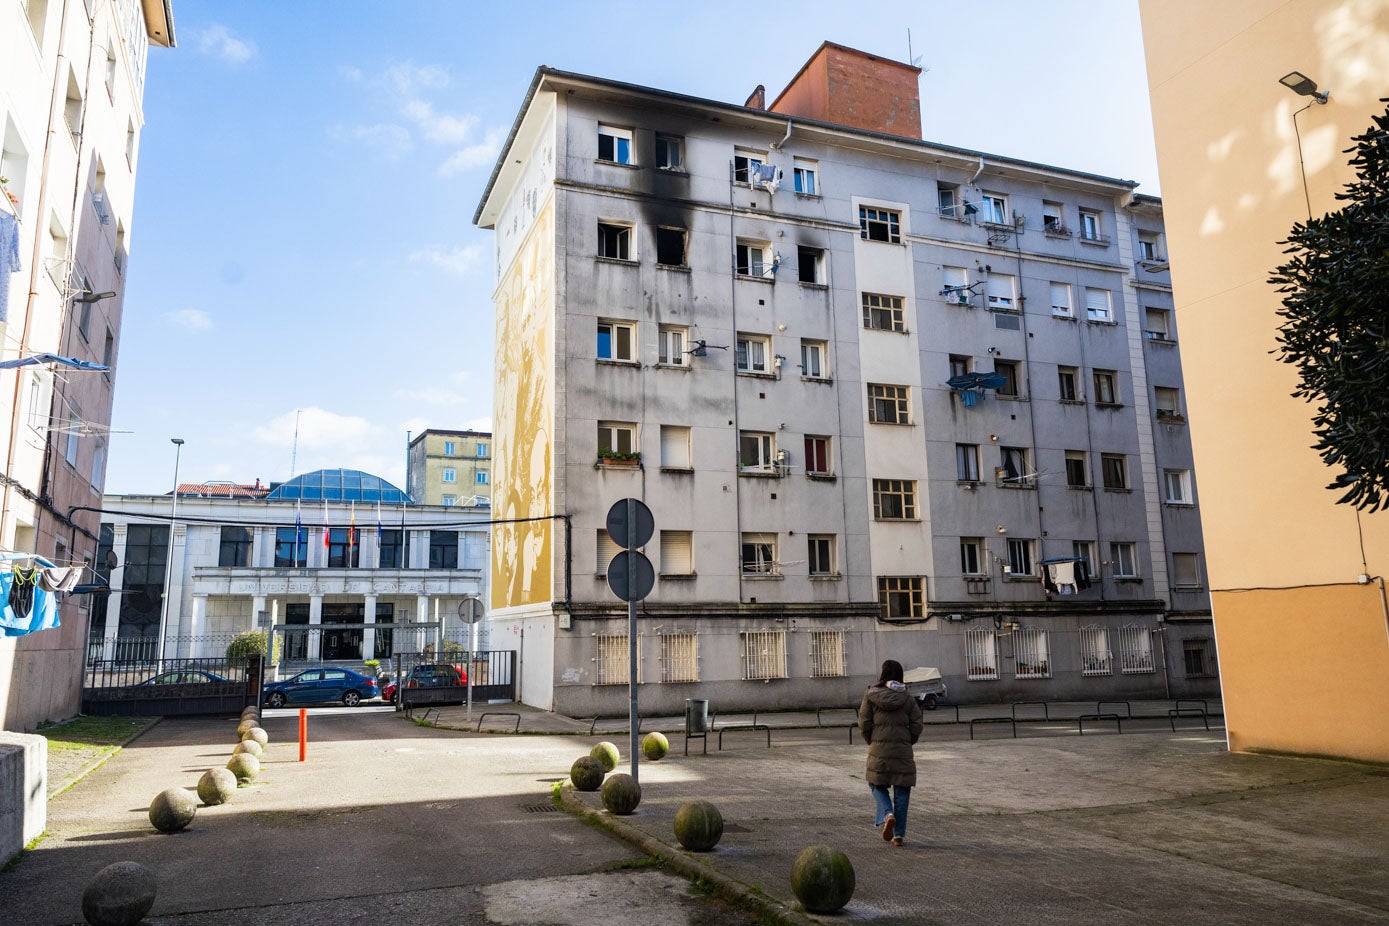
390,821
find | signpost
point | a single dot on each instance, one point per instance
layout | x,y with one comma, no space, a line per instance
631,578
470,609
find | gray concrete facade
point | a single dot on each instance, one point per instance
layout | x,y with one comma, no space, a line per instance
774,285
23,791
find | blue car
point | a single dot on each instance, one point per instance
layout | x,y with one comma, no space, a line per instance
319,686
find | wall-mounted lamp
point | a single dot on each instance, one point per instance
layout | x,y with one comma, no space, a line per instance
1001,529
1302,85
777,361
89,298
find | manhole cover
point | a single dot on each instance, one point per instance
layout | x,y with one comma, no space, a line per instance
539,808
549,780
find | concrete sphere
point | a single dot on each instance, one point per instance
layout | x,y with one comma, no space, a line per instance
244,766
822,878
246,726
257,734
172,810
586,773
119,895
698,826
621,794
607,754
251,713
216,786
654,746
248,746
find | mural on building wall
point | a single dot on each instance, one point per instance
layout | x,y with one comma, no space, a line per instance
521,566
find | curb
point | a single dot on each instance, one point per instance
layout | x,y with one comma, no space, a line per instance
730,888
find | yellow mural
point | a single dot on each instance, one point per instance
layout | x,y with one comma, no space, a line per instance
525,304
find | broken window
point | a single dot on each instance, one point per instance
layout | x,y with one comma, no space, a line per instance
670,246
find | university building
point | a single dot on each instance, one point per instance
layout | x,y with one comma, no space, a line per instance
885,397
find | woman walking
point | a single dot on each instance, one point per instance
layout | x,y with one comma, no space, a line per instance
890,721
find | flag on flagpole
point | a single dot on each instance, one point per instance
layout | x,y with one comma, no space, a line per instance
298,530
378,524
352,529
325,524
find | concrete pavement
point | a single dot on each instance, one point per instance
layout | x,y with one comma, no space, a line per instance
394,822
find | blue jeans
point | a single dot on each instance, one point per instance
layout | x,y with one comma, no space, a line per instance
896,805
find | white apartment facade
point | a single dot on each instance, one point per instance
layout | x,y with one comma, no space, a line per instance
72,79
879,393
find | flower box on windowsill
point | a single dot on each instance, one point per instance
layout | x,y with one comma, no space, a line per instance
614,458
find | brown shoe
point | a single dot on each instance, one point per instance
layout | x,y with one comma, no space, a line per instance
888,824
897,840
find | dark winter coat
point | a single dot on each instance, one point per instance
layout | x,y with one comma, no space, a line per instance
890,722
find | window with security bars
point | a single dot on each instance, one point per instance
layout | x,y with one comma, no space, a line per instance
1095,657
764,654
1031,654
679,657
611,659
827,654
1135,650
1198,658
982,654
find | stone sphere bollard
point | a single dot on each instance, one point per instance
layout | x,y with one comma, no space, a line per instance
257,734
621,794
654,746
586,773
250,747
119,895
216,786
173,809
244,766
246,726
822,878
607,754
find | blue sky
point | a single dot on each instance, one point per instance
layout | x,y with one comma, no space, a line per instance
302,245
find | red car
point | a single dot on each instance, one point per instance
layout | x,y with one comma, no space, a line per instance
429,675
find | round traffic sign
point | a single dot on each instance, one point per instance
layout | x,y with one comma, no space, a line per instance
630,523
631,575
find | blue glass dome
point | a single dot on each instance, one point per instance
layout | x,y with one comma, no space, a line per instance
340,485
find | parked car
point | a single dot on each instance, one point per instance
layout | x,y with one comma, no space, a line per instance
185,677
436,675
924,683
388,692
319,686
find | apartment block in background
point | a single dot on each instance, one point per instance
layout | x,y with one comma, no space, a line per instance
451,468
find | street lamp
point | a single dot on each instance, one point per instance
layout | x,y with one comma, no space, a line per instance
169,556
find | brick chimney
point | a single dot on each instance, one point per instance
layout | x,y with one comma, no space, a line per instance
846,86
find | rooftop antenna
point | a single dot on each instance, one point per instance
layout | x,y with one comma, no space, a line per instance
294,451
913,61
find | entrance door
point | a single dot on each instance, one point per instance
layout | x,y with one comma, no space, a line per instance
342,644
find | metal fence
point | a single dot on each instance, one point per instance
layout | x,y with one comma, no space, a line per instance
145,650
493,675
170,687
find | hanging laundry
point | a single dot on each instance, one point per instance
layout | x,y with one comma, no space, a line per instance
27,608
769,175
9,258
1064,576
59,578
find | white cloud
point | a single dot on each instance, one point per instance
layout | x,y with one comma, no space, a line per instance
458,260
481,154
317,428
218,41
392,141
406,79
192,319
437,127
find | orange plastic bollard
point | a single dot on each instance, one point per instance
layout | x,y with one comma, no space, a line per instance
303,734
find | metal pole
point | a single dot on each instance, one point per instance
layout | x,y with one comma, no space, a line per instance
169,555
634,714
472,651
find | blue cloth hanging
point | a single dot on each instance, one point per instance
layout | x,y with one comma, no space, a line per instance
27,608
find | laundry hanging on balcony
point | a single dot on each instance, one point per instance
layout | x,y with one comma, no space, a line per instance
25,606
1065,575
9,258
971,386
767,176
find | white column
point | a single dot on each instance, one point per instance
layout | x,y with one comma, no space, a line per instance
257,606
178,625
315,618
113,602
422,612
369,631
197,627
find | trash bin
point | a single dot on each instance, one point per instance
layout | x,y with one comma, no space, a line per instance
696,716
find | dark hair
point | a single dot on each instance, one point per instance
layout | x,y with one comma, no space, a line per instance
892,672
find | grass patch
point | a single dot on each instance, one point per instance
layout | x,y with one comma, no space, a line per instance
84,732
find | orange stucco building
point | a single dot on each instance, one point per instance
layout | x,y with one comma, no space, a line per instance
1301,618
